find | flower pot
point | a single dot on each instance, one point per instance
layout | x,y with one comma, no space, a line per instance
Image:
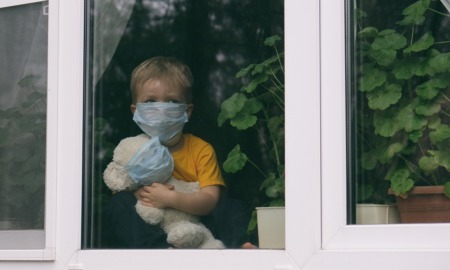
271,227
369,213
424,205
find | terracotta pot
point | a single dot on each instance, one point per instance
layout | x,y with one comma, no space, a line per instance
424,205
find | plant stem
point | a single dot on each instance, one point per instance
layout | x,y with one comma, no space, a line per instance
444,112
279,59
272,138
438,12
412,167
279,100
442,42
412,36
256,166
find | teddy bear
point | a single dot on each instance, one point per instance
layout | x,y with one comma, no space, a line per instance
183,230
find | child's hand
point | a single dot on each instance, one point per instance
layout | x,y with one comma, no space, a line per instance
157,195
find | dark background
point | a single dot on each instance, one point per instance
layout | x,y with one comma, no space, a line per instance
215,39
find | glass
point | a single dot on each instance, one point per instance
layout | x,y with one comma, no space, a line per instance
23,112
215,39
398,110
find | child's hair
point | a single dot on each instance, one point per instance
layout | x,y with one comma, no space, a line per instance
167,69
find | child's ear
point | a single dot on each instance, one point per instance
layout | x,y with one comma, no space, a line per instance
133,108
189,109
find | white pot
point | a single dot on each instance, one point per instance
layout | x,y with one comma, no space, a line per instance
377,214
271,227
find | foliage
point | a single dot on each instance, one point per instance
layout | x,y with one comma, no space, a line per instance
405,79
22,158
259,104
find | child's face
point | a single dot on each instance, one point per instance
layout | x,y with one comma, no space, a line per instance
159,91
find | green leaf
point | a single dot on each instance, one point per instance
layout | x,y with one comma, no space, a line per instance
383,97
401,184
269,66
389,40
423,43
371,79
440,134
440,62
414,14
245,71
392,150
431,88
270,41
428,109
231,107
246,118
276,190
415,135
368,161
243,121
434,122
368,32
406,68
261,78
386,123
235,161
410,120
252,223
359,13
447,189
427,164
442,158
276,127
384,47
384,57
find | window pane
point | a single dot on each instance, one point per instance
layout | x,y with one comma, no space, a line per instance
215,39
23,110
399,104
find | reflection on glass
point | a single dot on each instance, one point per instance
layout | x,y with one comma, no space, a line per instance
399,101
215,39
23,106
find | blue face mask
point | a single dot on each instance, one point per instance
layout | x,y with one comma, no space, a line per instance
152,163
161,119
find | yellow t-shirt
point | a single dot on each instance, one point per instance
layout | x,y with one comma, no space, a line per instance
197,161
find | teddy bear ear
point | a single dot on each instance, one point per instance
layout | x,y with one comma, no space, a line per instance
127,147
116,178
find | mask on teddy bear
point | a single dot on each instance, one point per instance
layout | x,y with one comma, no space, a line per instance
161,119
152,163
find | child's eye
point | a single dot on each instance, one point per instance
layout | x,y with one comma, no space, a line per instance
150,100
173,101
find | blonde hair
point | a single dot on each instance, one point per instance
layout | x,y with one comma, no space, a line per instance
167,69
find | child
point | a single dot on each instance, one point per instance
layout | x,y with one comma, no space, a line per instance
161,104
164,85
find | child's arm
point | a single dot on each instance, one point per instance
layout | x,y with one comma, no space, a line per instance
199,203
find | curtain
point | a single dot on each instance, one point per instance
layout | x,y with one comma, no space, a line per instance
110,20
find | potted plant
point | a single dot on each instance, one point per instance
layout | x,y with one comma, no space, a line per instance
404,79
259,104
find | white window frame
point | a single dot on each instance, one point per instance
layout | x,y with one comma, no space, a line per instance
18,239
317,236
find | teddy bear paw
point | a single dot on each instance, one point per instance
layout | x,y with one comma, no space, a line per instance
149,214
187,236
